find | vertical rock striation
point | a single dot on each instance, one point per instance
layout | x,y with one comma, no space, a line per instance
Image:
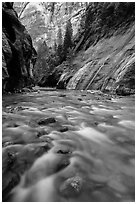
18,54
108,66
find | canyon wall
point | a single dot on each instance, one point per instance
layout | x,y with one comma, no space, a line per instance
18,53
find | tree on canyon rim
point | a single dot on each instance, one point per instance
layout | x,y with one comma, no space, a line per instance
59,42
68,43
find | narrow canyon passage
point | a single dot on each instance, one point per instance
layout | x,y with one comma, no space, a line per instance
68,146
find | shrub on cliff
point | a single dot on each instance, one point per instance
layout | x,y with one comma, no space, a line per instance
59,50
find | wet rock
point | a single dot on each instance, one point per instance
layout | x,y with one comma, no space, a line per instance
41,132
10,109
46,121
62,164
42,149
11,159
26,89
124,91
72,187
5,144
64,151
80,99
45,138
62,95
12,124
63,129
10,180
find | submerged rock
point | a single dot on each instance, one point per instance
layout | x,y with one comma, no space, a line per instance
72,186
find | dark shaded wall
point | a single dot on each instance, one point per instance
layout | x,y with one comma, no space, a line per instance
18,53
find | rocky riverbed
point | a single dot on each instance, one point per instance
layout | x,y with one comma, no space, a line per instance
68,146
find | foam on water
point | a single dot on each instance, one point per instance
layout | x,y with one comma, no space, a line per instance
35,193
97,110
92,134
127,124
92,160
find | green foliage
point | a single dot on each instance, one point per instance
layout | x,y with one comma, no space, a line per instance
103,18
55,46
59,36
44,63
60,52
109,13
68,38
60,46
70,56
43,18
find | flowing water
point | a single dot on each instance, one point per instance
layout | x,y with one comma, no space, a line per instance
68,146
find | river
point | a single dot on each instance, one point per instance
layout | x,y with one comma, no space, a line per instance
68,146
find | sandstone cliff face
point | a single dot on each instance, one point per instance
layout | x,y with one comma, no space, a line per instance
18,54
103,54
43,19
107,66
